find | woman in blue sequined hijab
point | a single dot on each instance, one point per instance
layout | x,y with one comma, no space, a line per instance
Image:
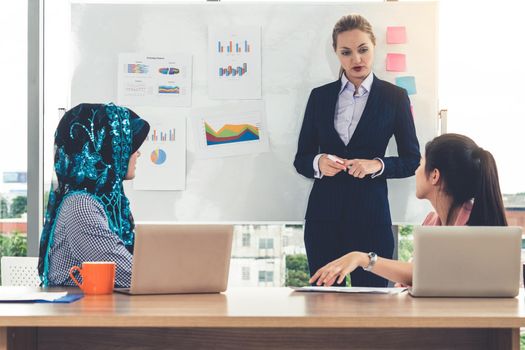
93,147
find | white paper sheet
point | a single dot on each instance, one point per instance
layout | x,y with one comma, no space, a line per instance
162,163
23,294
230,130
367,290
154,80
234,62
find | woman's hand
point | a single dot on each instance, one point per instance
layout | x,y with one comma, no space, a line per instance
338,269
401,285
361,167
330,167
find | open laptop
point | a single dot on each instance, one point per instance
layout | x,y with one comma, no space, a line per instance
169,259
462,261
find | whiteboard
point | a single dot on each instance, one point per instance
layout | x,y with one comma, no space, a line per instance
297,56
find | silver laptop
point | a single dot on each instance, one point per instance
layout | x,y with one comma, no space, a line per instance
169,259
462,261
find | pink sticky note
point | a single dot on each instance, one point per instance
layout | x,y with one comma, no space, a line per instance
396,35
395,62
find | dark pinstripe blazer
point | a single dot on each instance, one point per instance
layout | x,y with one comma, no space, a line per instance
362,201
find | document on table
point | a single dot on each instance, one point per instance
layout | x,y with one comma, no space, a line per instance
25,294
366,290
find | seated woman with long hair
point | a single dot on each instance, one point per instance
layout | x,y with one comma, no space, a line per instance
461,182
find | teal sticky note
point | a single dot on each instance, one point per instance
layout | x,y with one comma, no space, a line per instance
408,83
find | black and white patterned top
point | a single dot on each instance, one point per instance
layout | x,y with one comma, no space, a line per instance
82,234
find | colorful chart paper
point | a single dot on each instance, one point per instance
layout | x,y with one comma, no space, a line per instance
395,62
231,133
396,35
230,130
162,164
234,62
408,83
154,80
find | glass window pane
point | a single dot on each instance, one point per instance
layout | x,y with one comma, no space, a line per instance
481,75
245,239
262,276
245,273
56,77
13,143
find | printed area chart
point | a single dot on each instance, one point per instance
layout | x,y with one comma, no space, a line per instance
230,130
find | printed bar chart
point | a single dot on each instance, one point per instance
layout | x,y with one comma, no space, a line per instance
233,72
231,48
156,135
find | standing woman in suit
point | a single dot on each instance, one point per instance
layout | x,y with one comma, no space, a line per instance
344,136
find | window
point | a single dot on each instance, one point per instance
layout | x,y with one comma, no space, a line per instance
264,255
13,143
246,240
56,78
286,241
245,274
266,243
265,276
481,74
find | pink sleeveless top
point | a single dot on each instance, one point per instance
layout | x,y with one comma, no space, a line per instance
433,219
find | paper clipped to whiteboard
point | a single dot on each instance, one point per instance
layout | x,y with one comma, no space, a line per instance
162,163
234,62
154,80
230,130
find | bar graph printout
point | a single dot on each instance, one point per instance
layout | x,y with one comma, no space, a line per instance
162,161
234,62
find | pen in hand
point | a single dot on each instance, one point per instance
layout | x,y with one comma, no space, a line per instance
334,159
330,165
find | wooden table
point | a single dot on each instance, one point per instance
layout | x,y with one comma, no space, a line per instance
264,318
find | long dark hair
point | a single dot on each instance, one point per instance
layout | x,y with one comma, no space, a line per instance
467,172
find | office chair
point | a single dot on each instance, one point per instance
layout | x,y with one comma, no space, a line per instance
20,271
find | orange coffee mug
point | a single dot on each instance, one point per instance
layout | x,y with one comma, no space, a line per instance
98,277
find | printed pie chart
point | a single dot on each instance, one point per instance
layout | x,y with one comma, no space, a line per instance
158,156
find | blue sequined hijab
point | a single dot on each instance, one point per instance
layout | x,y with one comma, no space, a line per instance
93,145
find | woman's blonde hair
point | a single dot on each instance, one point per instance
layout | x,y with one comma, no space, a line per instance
351,22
